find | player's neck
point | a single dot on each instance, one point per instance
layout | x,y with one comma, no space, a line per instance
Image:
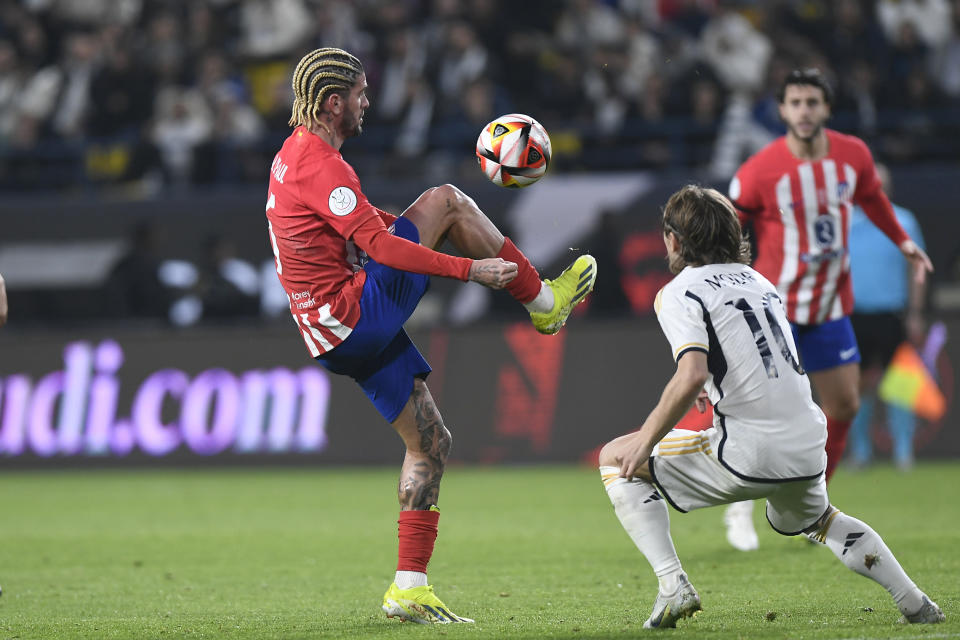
326,133
815,148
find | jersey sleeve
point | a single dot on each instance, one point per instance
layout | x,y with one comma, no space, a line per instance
388,218
332,189
743,191
871,198
399,253
681,319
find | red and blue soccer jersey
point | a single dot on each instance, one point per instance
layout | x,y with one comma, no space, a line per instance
321,228
801,215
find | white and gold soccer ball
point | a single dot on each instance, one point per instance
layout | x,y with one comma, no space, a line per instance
514,150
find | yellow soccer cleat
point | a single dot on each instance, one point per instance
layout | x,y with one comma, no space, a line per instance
418,604
569,289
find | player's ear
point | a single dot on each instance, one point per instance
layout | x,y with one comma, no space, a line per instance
334,103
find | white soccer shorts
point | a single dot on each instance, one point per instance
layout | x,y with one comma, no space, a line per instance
690,476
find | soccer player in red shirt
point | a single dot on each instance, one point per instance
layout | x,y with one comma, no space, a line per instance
798,193
354,274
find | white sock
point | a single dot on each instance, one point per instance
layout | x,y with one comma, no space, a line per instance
742,509
543,302
863,550
410,579
643,514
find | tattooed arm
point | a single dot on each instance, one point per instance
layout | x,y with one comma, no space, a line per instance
428,445
495,273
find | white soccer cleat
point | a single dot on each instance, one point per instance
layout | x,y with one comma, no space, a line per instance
740,532
667,609
929,613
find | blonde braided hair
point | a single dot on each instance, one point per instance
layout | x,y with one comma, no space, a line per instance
318,73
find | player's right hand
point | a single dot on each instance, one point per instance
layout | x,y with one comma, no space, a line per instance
702,400
495,273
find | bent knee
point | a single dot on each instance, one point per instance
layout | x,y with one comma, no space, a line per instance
444,442
843,408
606,458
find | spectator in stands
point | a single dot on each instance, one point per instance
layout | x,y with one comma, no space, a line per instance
124,94
737,51
587,24
11,85
57,97
945,63
422,56
184,123
929,18
464,60
165,49
271,28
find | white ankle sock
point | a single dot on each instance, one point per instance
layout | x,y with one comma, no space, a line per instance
741,509
863,551
643,514
543,302
410,579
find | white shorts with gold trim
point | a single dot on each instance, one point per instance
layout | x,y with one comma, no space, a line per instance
688,473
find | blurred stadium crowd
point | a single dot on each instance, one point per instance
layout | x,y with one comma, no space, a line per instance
175,92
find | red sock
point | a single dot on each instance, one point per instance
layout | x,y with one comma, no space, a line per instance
526,285
417,532
836,442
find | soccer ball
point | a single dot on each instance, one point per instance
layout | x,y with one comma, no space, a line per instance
514,150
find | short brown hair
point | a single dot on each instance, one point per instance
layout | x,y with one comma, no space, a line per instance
707,226
809,77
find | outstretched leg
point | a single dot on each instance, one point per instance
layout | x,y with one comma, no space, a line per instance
446,213
862,550
428,446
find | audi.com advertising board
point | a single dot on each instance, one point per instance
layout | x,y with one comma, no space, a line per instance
253,395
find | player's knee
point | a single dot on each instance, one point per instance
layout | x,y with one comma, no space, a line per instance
845,407
607,458
444,440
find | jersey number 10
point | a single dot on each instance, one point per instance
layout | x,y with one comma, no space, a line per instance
763,346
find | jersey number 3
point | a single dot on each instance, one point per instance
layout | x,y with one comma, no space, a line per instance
763,346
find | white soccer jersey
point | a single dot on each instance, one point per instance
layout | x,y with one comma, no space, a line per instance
772,429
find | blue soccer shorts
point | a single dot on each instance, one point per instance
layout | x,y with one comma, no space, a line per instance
378,354
827,345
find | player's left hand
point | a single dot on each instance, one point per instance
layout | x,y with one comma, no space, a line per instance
495,273
919,259
632,453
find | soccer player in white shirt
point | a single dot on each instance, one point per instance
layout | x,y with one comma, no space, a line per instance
730,337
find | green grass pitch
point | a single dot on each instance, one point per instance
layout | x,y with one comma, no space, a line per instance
530,552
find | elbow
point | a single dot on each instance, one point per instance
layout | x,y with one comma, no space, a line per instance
693,369
698,378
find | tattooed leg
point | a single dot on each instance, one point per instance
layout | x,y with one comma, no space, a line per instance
428,446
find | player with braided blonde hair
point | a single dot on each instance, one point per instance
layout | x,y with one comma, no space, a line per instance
354,274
